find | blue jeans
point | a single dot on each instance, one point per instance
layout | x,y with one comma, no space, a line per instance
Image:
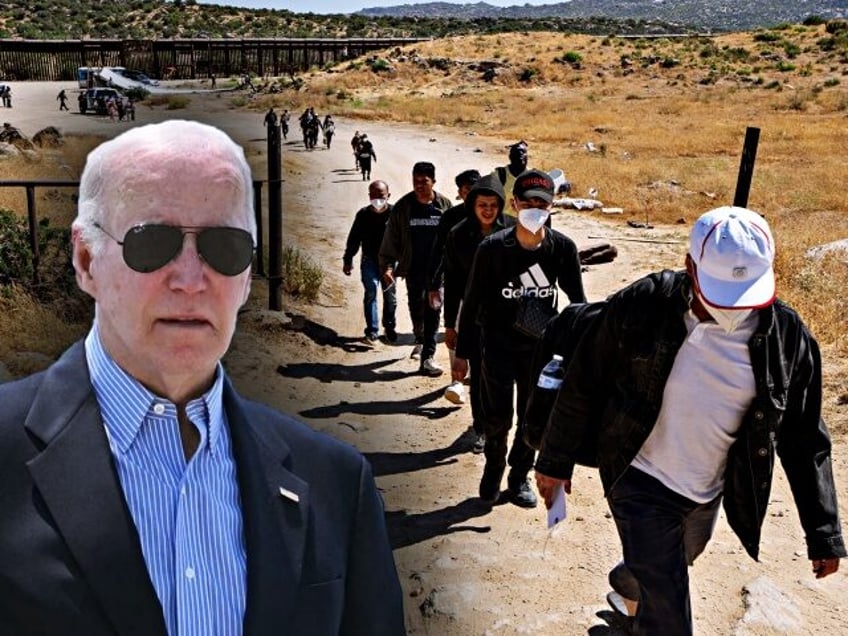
661,534
370,272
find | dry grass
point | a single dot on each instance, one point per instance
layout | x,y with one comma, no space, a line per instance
29,326
667,118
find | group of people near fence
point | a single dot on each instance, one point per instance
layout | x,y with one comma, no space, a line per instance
682,389
143,494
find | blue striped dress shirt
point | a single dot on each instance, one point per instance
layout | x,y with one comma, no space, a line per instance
188,515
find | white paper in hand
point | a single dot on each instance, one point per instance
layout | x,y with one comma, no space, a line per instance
556,512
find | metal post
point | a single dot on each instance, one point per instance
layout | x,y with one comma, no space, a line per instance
746,167
33,233
275,220
260,241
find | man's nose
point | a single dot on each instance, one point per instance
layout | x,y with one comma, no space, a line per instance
188,271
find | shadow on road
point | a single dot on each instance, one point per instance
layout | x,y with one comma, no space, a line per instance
406,529
394,463
413,406
363,373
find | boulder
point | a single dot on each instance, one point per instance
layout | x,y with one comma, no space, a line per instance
49,137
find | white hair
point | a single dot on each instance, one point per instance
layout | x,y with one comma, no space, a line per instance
133,153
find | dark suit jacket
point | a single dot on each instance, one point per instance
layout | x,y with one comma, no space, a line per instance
70,556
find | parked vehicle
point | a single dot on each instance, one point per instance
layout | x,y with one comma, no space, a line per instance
94,100
85,76
138,76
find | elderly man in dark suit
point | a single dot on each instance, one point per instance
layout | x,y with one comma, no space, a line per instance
140,493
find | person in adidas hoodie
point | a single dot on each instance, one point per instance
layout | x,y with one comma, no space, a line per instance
527,259
484,204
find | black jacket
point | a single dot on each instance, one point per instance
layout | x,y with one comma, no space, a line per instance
367,230
613,391
503,271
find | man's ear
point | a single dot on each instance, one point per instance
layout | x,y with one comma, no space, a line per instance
246,294
690,266
83,258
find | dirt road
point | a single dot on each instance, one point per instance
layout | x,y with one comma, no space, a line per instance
466,568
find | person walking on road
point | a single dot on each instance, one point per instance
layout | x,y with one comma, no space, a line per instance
517,268
405,252
369,226
270,121
63,100
484,204
365,153
686,391
518,158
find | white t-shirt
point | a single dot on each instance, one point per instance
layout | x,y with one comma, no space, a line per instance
708,392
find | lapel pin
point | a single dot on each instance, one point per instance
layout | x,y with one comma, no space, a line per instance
288,494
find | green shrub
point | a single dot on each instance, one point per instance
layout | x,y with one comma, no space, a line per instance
55,281
177,102
527,74
572,57
380,65
301,276
137,93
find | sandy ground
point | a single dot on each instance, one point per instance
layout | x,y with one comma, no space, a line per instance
465,568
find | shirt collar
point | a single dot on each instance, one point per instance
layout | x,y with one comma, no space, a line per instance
125,403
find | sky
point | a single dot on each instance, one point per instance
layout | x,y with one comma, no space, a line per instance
350,6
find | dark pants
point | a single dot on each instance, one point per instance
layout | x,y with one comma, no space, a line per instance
370,273
365,166
661,534
474,384
504,365
425,319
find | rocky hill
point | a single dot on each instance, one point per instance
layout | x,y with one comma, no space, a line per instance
714,15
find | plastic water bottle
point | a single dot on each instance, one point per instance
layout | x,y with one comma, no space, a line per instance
551,376
541,401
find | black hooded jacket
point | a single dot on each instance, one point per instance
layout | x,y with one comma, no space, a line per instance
462,242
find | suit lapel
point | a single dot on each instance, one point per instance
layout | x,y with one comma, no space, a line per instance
75,476
274,505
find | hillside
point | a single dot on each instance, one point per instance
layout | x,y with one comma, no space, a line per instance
148,19
715,15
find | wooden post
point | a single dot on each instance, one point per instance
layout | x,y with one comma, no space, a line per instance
746,167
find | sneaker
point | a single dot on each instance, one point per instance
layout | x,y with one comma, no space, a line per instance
479,443
523,495
621,605
490,483
455,393
416,351
391,335
432,368
371,336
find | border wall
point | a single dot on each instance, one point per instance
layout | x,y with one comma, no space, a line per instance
58,60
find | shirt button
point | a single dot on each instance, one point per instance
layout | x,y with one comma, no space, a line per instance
762,452
759,415
158,408
189,573
183,491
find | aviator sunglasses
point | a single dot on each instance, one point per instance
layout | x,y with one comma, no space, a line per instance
146,248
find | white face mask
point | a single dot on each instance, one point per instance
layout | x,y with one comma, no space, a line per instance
727,319
378,204
532,219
